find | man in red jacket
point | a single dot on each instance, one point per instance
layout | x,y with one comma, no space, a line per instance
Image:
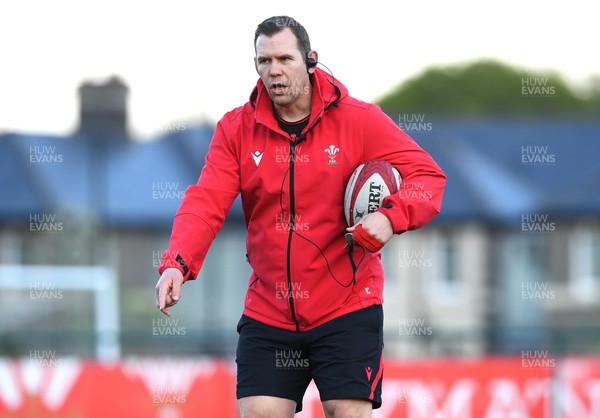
313,307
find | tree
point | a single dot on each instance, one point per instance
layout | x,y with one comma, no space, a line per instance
490,88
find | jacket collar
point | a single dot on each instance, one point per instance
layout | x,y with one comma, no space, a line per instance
326,92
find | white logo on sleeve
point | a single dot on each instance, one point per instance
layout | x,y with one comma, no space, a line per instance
257,155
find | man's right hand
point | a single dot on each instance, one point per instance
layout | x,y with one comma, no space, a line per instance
168,289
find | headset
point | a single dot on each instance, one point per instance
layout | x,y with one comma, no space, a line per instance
310,62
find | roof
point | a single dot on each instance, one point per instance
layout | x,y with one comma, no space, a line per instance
134,184
497,170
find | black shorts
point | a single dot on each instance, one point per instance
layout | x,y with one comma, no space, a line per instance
344,357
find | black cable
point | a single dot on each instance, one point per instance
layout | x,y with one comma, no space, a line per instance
290,225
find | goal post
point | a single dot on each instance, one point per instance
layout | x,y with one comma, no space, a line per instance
102,281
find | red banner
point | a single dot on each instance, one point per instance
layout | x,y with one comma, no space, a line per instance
487,388
181,388
578,388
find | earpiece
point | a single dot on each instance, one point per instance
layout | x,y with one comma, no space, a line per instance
310,62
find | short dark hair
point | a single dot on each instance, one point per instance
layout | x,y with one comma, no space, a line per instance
276,24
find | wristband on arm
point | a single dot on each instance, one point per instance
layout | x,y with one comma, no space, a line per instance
184,266
179,264
368,242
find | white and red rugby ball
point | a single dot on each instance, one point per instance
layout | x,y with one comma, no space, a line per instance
370,183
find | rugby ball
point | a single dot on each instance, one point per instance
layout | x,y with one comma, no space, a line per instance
370,183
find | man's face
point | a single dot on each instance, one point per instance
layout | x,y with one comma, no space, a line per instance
281,67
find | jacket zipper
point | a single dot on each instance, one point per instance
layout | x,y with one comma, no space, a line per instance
292,222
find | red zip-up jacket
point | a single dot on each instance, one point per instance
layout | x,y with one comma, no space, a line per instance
293,196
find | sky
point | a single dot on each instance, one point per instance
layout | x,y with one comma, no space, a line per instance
186,61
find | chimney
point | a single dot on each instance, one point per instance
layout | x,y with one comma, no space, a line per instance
103,110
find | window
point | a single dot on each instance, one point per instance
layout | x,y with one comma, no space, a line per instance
444,280
11,247
584,266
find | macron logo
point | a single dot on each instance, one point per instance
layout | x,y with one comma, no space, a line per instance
369,372
257,157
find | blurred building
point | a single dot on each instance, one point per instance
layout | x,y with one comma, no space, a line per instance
511,264
99,197
513,261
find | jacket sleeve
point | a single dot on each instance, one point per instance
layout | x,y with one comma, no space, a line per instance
419,199
204,206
